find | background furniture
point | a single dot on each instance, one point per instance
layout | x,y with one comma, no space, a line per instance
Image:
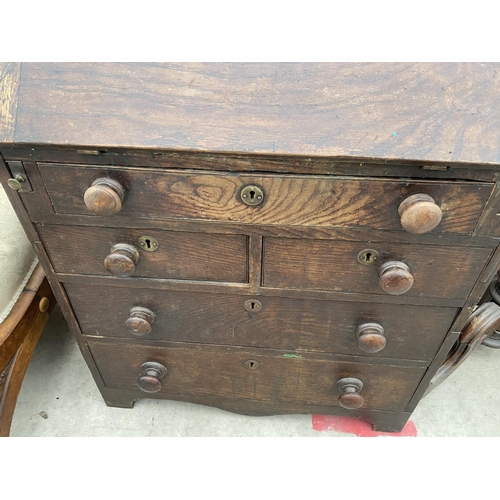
265,238
26,301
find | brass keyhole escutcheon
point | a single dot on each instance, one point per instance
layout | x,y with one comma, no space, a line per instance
252,195
251,364
148,243
367,257
253,305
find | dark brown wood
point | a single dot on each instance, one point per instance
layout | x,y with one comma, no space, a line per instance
289,200
140,321
210,257
122,260
19,334
475,296
281,323
419,213
371,337
255,263
423,111
244,289
224,162
150,379
286,274
104,196
395,277
281,376
350,397
437,272
382,421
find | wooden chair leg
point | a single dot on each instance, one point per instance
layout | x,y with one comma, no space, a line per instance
13,379
35,304
482,323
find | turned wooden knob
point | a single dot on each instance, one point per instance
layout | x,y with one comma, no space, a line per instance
350,397
395,277
122,260
104,196
371,337
152,372
419,213
140,321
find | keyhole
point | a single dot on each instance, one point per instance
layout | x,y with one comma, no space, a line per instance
367,256
148,243
251,364
253,305
252,195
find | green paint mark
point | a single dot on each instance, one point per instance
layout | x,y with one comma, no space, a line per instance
292,356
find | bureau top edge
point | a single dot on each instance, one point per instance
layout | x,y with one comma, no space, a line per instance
217,161
428,112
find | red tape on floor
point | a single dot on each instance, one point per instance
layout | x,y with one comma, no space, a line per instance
360,428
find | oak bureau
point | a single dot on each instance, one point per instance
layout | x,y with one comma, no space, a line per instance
263,238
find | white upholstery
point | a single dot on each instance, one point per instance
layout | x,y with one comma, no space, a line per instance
17,258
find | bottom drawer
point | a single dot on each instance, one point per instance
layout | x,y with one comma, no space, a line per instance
258,374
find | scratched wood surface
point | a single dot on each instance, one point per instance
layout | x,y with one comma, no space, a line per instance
220,371
10,75
277,322
288,200
445,272
180,255
418,111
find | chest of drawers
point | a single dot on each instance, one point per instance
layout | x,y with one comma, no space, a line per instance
262,238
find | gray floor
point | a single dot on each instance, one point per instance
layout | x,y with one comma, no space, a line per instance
59,398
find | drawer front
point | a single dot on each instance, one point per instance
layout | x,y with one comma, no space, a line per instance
279,323
180,255
256,374
438,272
319,201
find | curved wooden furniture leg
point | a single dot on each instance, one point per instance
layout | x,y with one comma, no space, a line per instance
493,341
482,323
19,334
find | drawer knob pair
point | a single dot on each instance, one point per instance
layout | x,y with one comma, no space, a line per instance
419,213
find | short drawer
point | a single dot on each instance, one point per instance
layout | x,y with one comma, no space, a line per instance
319,201
437,272
179,255
409,332
255,374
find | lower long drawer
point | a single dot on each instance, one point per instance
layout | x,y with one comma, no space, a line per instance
254,374
411,332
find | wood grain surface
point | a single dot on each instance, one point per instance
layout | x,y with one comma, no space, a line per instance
279,323
281,377
446,272
10,77
184,256
420,111
315,201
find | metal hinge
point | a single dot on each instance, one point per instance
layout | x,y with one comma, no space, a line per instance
440,168
19,180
